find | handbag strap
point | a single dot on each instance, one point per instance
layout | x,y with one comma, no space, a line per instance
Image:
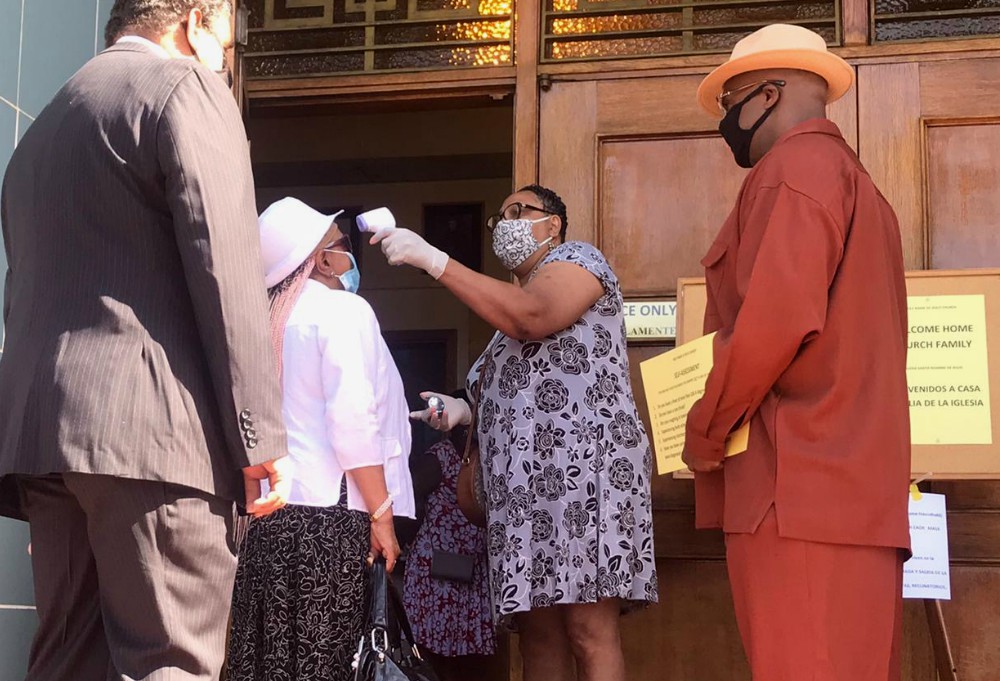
380,587
474,421
400,612
386,600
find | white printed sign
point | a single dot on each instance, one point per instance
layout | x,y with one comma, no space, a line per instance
651,319
927,574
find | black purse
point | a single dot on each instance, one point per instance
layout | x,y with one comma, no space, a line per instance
387,652
453,567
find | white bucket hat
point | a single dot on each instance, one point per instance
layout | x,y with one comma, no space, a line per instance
290,231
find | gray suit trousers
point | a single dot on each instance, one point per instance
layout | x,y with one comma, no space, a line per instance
133,578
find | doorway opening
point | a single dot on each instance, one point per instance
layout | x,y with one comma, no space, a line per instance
441,166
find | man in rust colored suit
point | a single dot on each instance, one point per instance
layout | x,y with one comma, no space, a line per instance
806,292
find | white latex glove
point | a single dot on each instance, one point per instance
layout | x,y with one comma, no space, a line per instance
456,413
403,247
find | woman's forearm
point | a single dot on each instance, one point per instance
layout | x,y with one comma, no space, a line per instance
504,306
370,481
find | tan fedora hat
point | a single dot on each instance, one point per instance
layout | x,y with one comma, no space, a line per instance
778,46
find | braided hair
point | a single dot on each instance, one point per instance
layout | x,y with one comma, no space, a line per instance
551,203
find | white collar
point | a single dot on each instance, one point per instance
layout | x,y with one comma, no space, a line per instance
139,40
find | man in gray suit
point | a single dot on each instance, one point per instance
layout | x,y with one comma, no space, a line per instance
138,377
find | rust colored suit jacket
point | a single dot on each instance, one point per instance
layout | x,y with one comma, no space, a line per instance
807,293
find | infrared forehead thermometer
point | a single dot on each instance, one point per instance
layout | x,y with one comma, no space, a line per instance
376,220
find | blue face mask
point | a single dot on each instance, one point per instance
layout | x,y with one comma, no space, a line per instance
351,279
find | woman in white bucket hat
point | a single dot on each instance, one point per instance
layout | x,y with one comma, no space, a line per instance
300,598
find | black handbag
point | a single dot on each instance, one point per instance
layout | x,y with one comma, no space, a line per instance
454,567
387,651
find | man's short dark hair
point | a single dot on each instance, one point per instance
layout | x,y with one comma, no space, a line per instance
154,16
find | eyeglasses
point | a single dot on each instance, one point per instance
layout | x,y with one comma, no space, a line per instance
512,212
341,245
720,99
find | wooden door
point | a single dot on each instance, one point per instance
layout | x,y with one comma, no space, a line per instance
646,177
929,134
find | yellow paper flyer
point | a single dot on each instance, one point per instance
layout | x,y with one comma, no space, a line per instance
946,371
673,382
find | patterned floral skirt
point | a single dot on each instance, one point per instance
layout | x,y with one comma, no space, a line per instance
301,596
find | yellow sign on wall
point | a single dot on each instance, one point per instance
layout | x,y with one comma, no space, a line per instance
946,371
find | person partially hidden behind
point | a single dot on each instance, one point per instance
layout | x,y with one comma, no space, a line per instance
138,377
806,292
447,592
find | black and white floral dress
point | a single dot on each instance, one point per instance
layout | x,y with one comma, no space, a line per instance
566,461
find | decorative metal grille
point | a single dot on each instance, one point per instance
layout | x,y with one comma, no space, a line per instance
601,29
292,38
911,20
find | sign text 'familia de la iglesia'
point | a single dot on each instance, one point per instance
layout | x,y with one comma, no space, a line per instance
947,370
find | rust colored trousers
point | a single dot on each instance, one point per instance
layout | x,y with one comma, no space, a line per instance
809,611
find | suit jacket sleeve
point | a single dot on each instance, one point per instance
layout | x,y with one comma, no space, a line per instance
205,161
7,275
786,261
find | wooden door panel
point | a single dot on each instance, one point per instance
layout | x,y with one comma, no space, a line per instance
646,178
568,131
662,200
644,173
929,134
973,535
691,633
889,146
963,194
637,151
972,620
969,494
960,87
917,655
628,156
646,105
676,536
844,112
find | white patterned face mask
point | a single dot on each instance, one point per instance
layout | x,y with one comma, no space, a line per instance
514,242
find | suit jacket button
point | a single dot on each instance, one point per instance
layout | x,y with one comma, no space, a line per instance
245,414
251,442
246,425
251,434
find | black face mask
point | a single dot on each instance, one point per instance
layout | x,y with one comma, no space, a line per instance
736,137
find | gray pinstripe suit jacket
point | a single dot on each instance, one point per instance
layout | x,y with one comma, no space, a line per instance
137,341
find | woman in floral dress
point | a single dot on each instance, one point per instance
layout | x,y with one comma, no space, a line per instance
565,457
451,619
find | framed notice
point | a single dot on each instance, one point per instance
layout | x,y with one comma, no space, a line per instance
650,320
953,367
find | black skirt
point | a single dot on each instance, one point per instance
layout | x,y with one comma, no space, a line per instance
301,596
